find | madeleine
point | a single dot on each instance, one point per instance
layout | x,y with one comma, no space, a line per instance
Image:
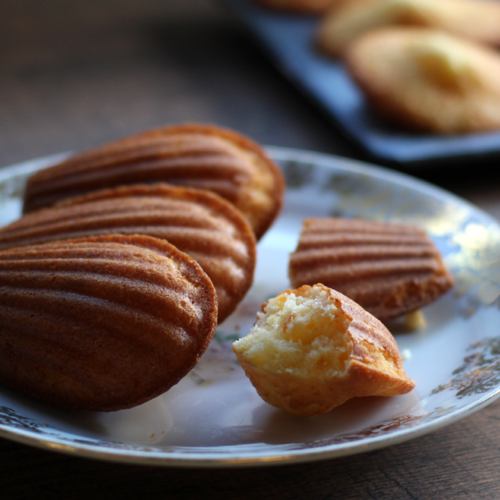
313,349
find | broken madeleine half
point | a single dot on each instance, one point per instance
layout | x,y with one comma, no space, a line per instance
313,348
389,269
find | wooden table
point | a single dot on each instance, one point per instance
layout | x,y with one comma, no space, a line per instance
75,74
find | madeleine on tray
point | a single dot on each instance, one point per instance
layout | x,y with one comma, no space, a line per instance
427,80
473,19
312,349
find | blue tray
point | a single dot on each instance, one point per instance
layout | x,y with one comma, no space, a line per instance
288,38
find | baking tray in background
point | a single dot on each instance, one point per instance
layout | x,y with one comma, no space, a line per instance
288,39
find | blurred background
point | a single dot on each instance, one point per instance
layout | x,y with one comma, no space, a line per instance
75,74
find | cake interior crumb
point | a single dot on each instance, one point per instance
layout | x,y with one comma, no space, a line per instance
304,335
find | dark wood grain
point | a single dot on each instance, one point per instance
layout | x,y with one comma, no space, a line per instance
74,74
458,462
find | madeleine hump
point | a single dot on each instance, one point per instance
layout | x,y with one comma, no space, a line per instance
389,269
428,81
477,20
103,323
200,223
312,349
192,155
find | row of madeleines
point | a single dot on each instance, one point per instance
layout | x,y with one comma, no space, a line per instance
128,256
423,65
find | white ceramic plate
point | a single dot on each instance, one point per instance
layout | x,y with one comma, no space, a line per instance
215,418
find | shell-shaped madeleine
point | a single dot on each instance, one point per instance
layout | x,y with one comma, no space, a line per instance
197,222
101,323
312,349
477,20
425,80
199,156
389,269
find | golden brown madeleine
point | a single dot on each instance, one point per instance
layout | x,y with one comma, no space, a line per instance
389,269
198,156
428,81
477,20
312,349
299,6
197,222
101,323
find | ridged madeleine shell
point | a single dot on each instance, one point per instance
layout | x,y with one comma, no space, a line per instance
197,222
389,269
198,156
101,323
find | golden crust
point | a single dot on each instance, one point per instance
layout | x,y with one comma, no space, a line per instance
477,20
389,269
428,81
197,222
101,323
198,156
368,361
